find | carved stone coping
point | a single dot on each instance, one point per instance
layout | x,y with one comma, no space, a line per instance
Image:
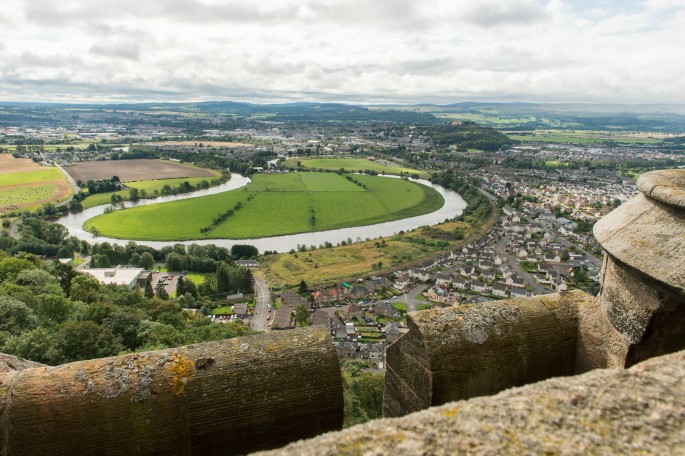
647,233
226,397
606,411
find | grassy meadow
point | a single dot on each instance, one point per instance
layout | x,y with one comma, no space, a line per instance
149,186
275,205
352,164
323,266
30,185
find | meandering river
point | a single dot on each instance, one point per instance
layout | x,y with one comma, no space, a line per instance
454,205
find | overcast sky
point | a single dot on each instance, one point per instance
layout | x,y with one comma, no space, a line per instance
392,51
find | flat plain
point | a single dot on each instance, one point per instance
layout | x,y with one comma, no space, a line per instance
135,170
274,205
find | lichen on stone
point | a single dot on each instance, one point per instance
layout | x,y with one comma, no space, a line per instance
178,371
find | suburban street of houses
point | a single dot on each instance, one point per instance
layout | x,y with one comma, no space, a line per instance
500,248
262,295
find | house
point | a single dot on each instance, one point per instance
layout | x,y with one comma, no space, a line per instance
346,350
479,286
359,292
419,274
489,276
325,296
240,309
352,311
460,283
321,318
247,263
293,300
438,294
392,332
377,283
467,270
402,282
552,258
283,318
444,279
499,289
506,271
384,309
428,264
518,293
516,281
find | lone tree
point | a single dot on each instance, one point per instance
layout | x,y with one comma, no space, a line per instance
302,287
146,260
301,316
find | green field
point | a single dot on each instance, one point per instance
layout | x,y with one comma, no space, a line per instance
27,177
21,195
352,164
149,186
583,137
275,205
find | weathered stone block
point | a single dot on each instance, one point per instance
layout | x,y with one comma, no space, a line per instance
226,397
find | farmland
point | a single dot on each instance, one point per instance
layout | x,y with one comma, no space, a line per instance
274,205
135,170
352,164
24,184
585,137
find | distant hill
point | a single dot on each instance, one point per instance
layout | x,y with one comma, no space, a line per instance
289,112
467,135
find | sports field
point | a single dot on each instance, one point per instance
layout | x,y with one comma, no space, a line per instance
275,205
353,165
25,184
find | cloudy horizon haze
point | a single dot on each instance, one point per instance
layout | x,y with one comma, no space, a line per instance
358,51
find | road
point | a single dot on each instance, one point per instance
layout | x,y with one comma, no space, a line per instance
516,266
262,297
410,298
69,179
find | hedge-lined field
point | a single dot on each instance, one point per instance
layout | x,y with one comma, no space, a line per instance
273,205
352,165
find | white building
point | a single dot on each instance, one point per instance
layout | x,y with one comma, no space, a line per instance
117,276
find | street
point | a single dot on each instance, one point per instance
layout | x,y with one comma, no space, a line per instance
518,270
262,296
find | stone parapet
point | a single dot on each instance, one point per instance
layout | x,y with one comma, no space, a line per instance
465,351
227,397
607,411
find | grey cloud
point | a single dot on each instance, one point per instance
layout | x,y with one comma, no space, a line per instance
58,14
49,61
125,50
50,13
506,13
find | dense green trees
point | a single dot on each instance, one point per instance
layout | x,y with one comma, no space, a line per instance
362,394
51,314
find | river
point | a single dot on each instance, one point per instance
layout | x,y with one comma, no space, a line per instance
454,205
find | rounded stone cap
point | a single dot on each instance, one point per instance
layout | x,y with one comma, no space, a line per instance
648,232
666,186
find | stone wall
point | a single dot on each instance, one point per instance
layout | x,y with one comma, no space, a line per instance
226,397
475,350
640,410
